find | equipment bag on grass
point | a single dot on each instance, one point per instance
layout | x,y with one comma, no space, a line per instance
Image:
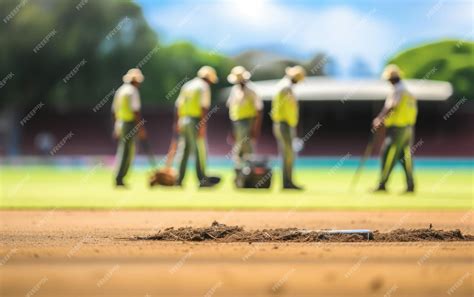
255,174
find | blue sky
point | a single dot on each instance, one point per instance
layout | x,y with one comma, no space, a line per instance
369,29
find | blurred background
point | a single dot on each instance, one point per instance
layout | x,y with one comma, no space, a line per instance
61,61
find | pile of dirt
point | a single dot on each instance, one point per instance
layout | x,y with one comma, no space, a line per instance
223,233
404,235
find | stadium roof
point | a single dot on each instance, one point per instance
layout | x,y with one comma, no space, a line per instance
328,89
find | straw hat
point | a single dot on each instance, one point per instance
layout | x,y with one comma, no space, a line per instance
238,74
133,74
296,73
208,73
391,71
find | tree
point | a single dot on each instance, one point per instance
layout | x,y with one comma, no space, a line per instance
68,55
449,60
72,54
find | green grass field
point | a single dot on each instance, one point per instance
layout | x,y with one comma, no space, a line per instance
68,188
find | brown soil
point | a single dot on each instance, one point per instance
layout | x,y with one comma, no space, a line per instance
89,253
223,233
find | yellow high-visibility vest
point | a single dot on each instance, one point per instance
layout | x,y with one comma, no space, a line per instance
242,110
123,111
190,106
285,108
404,114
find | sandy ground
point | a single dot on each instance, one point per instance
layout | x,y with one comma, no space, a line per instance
89,253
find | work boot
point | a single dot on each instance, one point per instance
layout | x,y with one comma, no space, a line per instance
292,186
380,189
410,189
209,182
120,184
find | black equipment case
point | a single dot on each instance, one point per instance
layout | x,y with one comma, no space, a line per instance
255,174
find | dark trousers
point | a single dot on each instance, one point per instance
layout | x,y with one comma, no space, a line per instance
125,151
284,135
189,142
242,140
397,148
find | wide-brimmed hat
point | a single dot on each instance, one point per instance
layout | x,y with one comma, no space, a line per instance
296,73
238,74
208,73
391,71
133,74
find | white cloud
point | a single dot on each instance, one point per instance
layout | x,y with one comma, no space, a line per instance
342,31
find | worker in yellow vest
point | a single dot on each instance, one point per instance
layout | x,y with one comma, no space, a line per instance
191,118
399,117
245,112
285,116
128,122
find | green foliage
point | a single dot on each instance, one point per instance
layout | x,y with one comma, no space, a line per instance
70,54
450,60
177,63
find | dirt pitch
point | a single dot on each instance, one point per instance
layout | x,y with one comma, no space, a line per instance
95,253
